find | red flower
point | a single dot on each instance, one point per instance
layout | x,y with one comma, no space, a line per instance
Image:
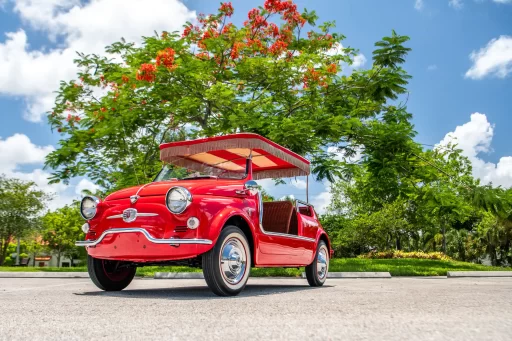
235,50
226,28
166,58
103,109
203,55
69,118
253,13
125,79
226,8
278,47
187,31
77,119
146,73
332,68
274,30
59,130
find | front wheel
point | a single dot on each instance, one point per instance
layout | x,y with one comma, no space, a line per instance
316,272
227,265
110,275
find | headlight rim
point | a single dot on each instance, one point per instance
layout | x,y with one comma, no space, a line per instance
188,197
95,199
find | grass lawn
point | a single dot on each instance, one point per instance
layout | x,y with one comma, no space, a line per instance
397,267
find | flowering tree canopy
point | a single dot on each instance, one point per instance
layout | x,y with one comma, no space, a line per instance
279,75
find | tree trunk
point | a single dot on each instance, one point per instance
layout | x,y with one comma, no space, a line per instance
58,259
3,254
398,243
444,238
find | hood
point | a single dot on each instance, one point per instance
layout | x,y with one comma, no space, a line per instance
199,186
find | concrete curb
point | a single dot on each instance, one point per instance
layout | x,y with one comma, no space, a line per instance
178,275
460,274
356,275
42,274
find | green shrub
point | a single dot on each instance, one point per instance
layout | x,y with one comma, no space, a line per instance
401,254
8,261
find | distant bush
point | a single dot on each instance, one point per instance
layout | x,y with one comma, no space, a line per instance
8,261
401,254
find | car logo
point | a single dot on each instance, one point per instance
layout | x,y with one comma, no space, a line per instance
129,215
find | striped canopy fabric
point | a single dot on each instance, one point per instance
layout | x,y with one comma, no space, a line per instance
229,153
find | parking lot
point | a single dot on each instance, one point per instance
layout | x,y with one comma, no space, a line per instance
370,309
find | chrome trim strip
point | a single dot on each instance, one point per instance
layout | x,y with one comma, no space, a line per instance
174,241
277,234
138,215
303,203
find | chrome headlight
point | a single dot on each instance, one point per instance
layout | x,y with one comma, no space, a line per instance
88,207
178,199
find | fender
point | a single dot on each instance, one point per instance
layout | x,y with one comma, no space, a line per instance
220,219
319,234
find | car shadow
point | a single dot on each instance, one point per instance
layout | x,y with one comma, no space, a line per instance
198,292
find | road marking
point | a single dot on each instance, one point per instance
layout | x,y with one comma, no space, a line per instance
42,287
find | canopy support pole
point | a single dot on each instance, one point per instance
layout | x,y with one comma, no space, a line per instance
307,188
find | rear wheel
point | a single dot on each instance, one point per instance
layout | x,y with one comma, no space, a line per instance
227,265
316,272
110,275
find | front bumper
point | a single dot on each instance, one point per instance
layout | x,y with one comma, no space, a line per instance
136,244
150,238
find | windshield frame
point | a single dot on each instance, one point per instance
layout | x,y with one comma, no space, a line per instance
246,173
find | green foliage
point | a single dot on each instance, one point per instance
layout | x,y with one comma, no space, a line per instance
61,228
266,77
21,203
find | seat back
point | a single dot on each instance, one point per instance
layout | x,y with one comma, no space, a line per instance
277,216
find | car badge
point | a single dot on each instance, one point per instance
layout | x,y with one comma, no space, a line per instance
129,215
134,198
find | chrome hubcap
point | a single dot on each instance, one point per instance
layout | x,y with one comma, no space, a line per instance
233,261
322,263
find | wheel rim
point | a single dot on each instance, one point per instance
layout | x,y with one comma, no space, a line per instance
322,263
112,270
233,261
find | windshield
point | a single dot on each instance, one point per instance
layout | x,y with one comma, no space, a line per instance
170,172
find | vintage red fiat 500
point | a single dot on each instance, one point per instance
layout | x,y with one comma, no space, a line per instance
214,218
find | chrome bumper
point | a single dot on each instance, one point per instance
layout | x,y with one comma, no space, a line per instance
150,238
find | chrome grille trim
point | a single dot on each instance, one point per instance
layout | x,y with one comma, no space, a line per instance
116,216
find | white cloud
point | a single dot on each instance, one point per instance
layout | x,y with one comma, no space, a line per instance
322,201
419,5
503,1
359,60
85,184
432,67
298,183
35,74
495,59
475,137
457,4
18,150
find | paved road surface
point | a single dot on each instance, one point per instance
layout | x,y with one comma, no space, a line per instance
370,309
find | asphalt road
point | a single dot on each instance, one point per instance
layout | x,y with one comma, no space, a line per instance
284,309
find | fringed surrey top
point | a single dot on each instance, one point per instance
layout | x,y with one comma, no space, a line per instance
229,152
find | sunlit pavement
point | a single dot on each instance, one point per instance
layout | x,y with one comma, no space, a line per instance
349,309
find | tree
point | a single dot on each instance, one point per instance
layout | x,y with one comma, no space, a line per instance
61,228
20,206
268,76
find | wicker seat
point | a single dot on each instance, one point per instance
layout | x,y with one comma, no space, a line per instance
278,216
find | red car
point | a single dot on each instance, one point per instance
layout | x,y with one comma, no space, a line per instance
213,217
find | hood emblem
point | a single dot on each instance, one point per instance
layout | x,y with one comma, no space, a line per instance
129,215
134,198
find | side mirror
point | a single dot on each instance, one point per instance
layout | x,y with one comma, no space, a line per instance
252,186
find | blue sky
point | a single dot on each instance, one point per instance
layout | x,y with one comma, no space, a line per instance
461,65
